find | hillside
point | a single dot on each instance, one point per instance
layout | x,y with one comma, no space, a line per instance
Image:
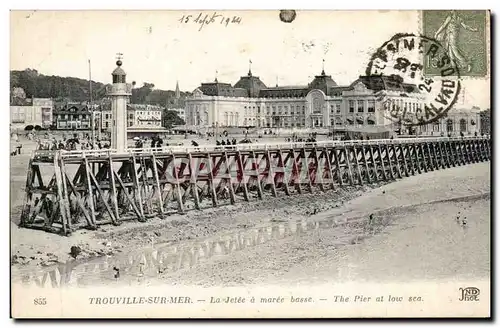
75,89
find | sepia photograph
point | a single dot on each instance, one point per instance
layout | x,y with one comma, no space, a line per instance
250,163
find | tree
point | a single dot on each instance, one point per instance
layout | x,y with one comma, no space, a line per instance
75,89
171,118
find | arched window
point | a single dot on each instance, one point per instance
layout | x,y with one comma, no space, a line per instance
463,125
449,125
435,126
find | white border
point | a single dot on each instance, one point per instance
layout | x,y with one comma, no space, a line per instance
188,4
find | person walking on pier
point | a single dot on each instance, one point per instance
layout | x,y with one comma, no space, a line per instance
138,143
159,142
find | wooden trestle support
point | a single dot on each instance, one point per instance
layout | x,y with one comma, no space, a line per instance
66,191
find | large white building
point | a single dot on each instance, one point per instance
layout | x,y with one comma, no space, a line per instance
466,121
138,115
36,113
321,103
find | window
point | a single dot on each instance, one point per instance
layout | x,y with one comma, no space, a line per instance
361,106
371,106
435,126
351,106
338,107
449,125
463,125
106,124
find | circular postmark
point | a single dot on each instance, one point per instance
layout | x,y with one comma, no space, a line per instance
287,16
397,73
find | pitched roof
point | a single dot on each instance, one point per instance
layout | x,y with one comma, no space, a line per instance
119,71
222,89
251,83
392,83
284,92
323,82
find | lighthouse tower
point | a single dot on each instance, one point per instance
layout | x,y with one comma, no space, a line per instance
119,93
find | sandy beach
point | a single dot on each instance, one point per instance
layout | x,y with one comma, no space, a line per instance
414,236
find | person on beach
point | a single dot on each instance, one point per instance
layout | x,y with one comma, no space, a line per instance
225,192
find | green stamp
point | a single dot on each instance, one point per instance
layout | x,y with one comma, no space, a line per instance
463,35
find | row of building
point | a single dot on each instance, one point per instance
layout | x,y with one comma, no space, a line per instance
250,103
44,113
320,104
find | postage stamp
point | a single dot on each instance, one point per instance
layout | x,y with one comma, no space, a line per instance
463,34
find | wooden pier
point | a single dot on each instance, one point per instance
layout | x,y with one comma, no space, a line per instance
69,190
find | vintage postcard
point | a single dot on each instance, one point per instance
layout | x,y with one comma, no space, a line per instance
250,164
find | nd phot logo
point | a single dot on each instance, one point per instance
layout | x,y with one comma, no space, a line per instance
469,294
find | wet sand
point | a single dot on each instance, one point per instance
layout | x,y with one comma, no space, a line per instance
414,236
33,249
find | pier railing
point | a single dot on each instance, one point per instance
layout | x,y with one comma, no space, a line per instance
67,190
250,146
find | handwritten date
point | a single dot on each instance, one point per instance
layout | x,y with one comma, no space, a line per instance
207,19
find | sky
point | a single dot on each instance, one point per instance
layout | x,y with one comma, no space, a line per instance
158,48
